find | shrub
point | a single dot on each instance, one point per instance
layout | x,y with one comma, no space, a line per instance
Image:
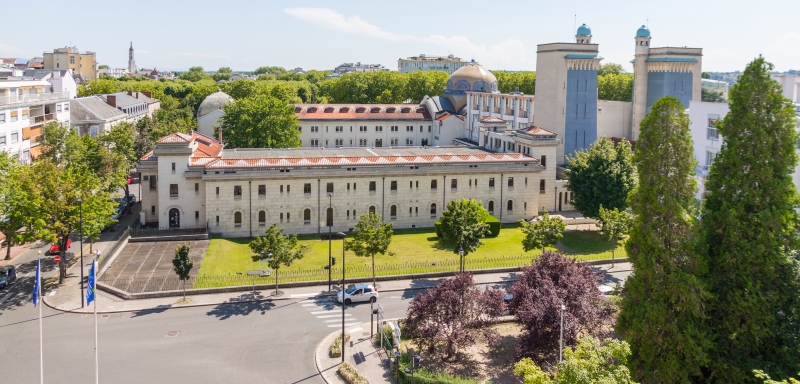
494,225
351,375
388,337
336,346
437,226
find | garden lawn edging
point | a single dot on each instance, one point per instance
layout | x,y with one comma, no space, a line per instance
351,375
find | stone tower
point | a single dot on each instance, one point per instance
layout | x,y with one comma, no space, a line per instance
131,61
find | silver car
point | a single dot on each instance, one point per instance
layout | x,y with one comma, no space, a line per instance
358,293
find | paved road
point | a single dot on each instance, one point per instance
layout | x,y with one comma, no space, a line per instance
253,342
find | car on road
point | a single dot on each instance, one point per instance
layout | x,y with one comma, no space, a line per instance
54,246
358,293
7,275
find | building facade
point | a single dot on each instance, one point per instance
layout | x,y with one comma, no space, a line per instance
84,64
358,67
189,180
91,115
424,62
25,106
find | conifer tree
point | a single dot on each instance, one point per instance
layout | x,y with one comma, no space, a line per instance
749,233
662,302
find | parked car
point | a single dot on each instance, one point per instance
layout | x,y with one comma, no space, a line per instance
7,275
359,293
131,199
507,303
130,179
54,246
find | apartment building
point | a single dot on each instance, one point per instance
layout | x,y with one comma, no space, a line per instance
25,106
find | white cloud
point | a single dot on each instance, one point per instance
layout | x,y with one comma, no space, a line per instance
508,54
201,55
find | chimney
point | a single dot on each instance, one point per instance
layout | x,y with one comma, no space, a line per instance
111,100
137,95
130,93
220,134
148,94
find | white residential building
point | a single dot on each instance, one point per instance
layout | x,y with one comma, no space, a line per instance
25,106
92,115
424,62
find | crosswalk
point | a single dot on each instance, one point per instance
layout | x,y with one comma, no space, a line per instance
329,313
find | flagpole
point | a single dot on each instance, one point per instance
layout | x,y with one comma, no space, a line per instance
94,292
38,298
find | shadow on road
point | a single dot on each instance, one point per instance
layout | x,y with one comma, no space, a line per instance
242,305
419,286
151,311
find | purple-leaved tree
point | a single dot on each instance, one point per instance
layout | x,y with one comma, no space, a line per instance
454,315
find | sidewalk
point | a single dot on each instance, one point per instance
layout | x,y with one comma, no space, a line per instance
20,249
371,362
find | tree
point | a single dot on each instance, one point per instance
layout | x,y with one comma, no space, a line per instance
120,141
749,234
182,265
102,66
260,122
518,81
615,87
370,238
273,70
662,310
19,200
602,175
705,75
553,281
196,69
277,249
589,362
768,380
463,225
98,87
453,315
610,69
614,225
545,232
425,83
711,96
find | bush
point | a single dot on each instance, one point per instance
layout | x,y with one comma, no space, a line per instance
425,376
336,346
388,340
494,225
351,375
437,226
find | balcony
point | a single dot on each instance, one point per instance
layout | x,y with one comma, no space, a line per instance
702,170
32,99
37,120
30,132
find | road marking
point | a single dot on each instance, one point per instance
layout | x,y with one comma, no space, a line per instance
7,296
327,316
334,320
394,297
354,330
53,292
26,275
319,312
309,304
339,325
303,295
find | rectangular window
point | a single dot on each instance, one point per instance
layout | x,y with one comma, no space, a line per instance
196,215
237,191
217,221
329,188
393,186
173,167
2,140
281,217
541,186
288,188
153,183
262,191
511,182
454,184
152,209
348,187
491,183
281,188
416,211
14,137
2,117
372,187
544,161
217,192
196,188
378,128
306,189
173,190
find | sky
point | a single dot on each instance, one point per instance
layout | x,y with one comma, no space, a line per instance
243,35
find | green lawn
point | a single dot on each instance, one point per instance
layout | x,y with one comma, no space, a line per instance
413,251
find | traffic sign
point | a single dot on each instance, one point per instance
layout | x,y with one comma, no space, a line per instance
57,259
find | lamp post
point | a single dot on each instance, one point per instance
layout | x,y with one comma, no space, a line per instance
460,258
342,236
330,239
561,336
80,210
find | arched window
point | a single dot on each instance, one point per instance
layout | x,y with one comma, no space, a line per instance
262,218
433,184
393,212
491,207
237,219
510,206
372,209
307,216
433,210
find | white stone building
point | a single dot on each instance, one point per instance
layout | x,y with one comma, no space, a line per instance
189,180
425,62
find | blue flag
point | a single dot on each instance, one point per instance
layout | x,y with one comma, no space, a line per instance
90,284
37,283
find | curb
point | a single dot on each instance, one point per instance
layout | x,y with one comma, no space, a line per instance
321,346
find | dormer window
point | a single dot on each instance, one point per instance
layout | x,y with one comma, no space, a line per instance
360,110
375,110
298,109
329,110
391,110
405,110
344,110
312,110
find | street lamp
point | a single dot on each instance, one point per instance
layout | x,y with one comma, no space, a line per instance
342,236
80,209
330,239
460,257
561,336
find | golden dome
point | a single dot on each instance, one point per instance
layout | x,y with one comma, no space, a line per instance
469,78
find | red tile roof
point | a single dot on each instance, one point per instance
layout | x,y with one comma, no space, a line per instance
361,160
534,130
489,119
361,112
176,137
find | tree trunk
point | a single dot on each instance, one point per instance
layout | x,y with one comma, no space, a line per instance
8,247
276,282
184,290
127,192
612,257
374,282
62,266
